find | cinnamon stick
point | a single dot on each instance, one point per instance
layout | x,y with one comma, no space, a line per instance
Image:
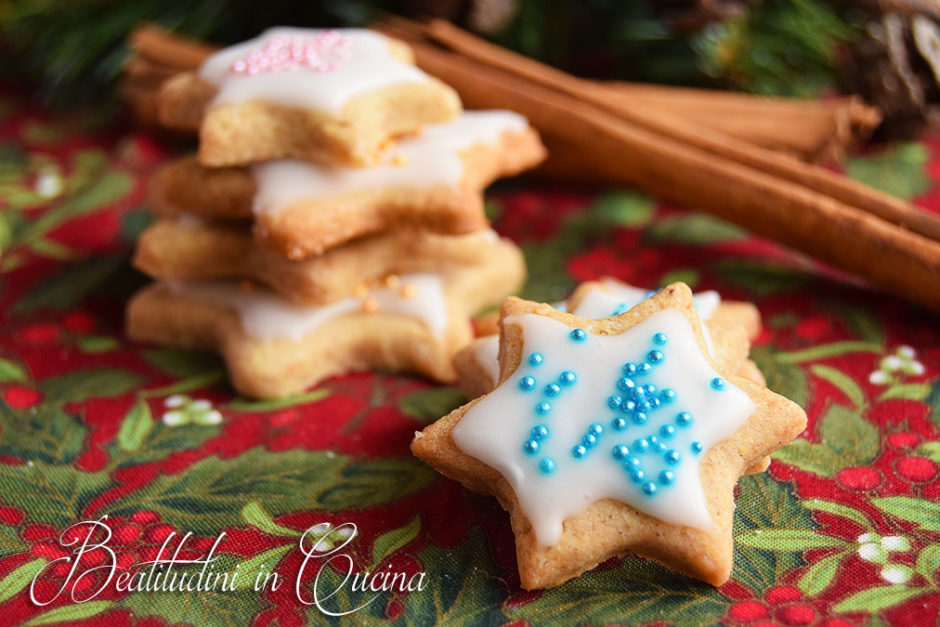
819,179
177,53
818,131
902,262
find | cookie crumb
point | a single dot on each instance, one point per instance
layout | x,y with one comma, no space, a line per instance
408,291
400,160
361,291
392,281
370,305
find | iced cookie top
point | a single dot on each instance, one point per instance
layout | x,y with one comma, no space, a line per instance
306,68
266,316
429,159
587,417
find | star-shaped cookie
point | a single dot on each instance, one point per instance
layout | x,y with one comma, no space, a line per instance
274,347
431,181
612,435
333,96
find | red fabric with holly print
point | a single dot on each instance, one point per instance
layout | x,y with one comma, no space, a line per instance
844,526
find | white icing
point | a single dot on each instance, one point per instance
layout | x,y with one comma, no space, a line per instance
621,297
495,429
487,355
603,303
266,316
429,159
368,66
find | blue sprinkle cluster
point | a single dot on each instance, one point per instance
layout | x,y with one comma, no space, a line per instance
632,403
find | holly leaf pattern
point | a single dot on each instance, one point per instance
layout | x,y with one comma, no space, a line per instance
48,434
898,171
391,541
697,229
767,506
846,440
56,495
634,592
209,496
925,514
467,593
782,376
431,404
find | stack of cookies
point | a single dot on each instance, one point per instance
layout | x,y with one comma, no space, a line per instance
333,218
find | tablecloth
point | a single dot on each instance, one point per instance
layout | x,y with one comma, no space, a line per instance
152,443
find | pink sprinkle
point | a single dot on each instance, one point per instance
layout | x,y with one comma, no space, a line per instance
320,53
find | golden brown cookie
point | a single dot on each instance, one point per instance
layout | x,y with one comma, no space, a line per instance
432,181
187,248
327,96
274,347
584,478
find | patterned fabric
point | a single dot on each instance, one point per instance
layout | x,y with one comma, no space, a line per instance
843,529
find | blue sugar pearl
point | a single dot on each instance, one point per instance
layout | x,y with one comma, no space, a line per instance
643,368
536,359
639,418
614,401
596,429
660,447
578,452
718,384
667,431
637,475
621,308
625,384
543,408
627,406
631,462
652,439
673,457
653,403
619,424
641,445
654,357
578,335
539,432
620,451
644,406
547,465
649,488
629,369
567,377
650,389
684,419
639,393
552,389
531,447
589,440
697,448
527,383
667,477
660,339
667,395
